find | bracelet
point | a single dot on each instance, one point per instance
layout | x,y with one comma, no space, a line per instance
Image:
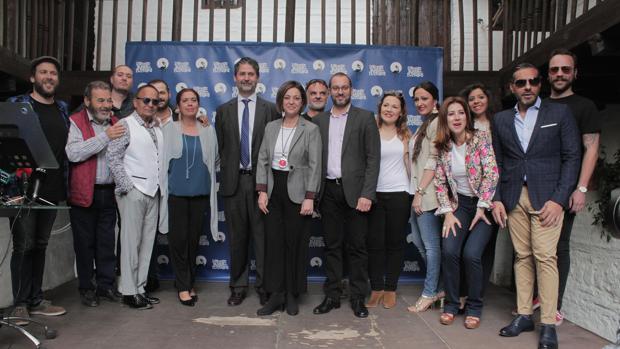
420,191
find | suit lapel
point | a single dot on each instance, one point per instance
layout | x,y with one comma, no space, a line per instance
513,130
539,122
233,114
301,127
273,138
347,128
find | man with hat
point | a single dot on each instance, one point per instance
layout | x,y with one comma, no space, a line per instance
31,230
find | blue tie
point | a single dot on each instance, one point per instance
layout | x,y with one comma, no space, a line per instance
245,135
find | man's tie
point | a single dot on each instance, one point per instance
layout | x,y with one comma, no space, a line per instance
245,135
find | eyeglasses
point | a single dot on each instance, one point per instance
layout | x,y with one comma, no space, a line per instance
566,69
147,100
522,82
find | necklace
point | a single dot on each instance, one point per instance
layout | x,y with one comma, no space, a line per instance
187,164
283,162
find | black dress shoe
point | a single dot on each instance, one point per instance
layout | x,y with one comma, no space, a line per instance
521,323
110,295
326,306
89,298
359,309
275,302
136,301
292,308
548,338
189,302
150,299
236,298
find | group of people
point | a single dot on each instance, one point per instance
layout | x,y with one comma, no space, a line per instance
461,176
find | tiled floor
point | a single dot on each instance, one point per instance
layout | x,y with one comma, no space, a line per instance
213,324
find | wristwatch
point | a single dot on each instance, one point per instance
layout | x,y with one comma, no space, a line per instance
582,189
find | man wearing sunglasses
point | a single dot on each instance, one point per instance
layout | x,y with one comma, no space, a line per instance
562,74
135,161
538,154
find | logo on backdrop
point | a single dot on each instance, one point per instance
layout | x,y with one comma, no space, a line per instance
221,67
411,266
279,64
201,260
376,91
357,66
299,68
316,262
163,63
182,67
162,239
260,88
376,70
219,264
415,72
204,240
202,64
221,236
180,86
337,68
318,65
202,111
143,67
316,241
396,67
220,88
252,264
163,259
263,67
358,94
203,91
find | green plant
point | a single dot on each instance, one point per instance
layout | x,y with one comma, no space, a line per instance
607,178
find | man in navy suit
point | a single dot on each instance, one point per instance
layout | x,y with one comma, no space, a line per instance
538,153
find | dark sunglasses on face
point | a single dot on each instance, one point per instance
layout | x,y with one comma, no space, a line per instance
147,100
565,69
522,82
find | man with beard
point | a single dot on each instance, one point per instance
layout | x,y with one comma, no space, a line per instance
164,113
91,193
351,155
316,91
537,149
31,231
240,126
562,74
122,98
135,161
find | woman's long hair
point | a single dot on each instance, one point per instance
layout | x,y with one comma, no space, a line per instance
402,130
421,133
491,103
444,139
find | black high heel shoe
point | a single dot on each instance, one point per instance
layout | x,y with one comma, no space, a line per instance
292,308
275,302
188,302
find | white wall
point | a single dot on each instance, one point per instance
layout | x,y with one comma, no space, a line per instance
219,24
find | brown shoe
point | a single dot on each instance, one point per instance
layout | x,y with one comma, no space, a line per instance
375,299
472,322
446,318
389,299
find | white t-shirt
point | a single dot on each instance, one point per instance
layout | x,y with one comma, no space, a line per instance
281,150
459,172
392,171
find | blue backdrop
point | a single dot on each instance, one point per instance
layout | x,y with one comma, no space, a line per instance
208,68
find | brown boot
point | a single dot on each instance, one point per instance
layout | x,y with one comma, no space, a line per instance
389,299
375,299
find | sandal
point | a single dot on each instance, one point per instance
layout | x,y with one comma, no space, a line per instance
446,318
422,304
472,322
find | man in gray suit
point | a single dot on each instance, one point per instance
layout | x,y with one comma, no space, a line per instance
351,152
240,125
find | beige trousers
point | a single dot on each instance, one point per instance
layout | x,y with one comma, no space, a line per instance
535,249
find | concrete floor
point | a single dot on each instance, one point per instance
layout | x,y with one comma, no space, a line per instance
213,324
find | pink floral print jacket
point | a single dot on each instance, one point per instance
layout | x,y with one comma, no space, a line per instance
482,174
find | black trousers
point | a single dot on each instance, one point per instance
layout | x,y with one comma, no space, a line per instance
185,224
31,233
386,239
94,240
245,223
563,253
468,245
343,224
287,235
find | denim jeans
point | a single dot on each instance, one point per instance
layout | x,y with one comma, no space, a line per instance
426,233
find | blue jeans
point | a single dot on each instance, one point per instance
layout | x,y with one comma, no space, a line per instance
426,233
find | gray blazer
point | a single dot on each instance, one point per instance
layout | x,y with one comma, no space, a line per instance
173,148
304,178
361,153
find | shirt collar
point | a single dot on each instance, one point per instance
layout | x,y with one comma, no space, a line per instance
251,97
141,122
345,113
536,105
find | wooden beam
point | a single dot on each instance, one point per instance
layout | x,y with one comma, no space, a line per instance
573,34
177,20
13,64
289,26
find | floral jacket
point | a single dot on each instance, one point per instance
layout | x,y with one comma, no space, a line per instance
482,174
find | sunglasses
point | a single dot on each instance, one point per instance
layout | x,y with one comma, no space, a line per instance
565,69
147,100
522,82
